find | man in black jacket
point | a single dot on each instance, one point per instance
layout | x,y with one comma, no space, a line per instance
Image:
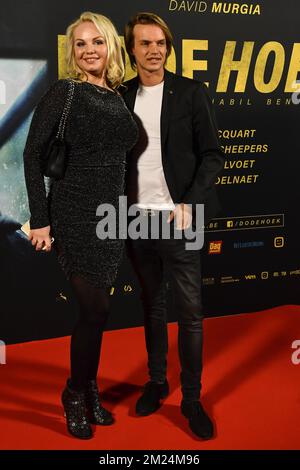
172,169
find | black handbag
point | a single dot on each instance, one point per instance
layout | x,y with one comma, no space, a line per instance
54,160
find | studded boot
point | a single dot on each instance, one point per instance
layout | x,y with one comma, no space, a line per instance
74,405
96,412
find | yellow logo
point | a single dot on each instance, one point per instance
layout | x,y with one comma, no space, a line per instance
127,288
279,242
215,248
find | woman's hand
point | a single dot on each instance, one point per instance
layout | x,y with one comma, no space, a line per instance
40,238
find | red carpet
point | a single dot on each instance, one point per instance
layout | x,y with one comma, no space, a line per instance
251,389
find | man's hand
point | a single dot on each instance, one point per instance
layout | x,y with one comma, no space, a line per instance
183,216
40,238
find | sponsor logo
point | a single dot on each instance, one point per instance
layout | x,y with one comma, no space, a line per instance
229,279
256,244
208,281
127,288
278,242
215,248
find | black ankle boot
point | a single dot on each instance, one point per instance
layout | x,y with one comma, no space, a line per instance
74,405
149,401
96,412
199,421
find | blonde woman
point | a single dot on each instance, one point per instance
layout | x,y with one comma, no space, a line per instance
99,132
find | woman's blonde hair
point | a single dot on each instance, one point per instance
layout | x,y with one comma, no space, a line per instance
115,71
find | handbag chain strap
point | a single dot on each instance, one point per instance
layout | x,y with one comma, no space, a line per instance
66,110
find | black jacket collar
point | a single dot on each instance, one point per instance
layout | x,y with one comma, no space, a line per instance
133,84
167,103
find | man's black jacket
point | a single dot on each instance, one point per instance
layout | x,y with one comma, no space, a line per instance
191,154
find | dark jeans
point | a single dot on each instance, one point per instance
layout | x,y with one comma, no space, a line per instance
151,258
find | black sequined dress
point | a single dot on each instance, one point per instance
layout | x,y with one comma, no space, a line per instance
99,132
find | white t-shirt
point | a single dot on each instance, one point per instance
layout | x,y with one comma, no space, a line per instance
153,192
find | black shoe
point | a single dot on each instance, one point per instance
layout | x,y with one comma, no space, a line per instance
96,412
74,405
149,401
199,421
